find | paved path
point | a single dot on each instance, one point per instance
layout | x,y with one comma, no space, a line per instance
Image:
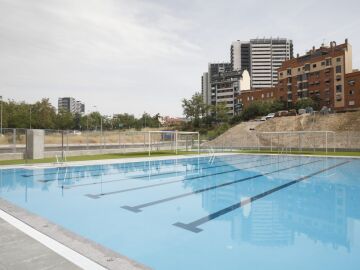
19,251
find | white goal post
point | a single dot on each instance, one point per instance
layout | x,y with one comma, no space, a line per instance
173,140
300,140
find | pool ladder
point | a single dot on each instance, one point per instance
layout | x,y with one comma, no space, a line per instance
212,155
61,160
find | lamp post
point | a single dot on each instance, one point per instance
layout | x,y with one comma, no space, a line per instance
30,117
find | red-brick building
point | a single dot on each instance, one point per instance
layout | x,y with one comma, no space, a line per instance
324,75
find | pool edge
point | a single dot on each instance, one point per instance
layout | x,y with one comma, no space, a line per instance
94,252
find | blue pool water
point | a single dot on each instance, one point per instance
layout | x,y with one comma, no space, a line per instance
237,212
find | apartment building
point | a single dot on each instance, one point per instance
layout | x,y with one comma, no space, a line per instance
262,58
240,55
221,84
267,56
319,74
70,104
325,75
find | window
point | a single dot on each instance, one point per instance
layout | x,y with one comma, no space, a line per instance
351,82
339,88
314,65
323,63
338,98
288,72
338,69
351,103
307,67
299,69
328,62
351,92
338,59
262,95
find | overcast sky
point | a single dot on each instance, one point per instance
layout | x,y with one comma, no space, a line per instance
146,55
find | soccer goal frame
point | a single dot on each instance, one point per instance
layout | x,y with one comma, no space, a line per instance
300,136
174,135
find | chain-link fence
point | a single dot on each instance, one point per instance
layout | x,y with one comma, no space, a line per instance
287,141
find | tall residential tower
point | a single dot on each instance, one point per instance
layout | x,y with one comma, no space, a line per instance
262,58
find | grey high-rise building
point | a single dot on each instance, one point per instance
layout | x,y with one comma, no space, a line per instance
221,84
240,55
70,104
261,57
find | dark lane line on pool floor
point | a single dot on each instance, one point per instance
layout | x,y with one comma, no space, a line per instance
154,175
115,173
137,208
97,196
193,226
120,165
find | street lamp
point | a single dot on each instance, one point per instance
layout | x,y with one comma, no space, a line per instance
30,117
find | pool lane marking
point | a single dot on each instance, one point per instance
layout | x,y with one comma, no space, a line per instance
115,173
117,166
97,196
137,208
154,175
193,226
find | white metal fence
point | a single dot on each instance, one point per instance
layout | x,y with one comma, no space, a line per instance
56,142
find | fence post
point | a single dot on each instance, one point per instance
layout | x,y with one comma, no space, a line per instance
14,140
326,141
198,143
149,136
62,145
176,142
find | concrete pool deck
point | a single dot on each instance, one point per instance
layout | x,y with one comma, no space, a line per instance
20,251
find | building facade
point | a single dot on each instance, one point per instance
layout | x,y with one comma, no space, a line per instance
324,75
70,104
240,55
262,58
267,56
221,85
319,75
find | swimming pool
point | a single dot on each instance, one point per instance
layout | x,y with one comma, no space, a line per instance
232,212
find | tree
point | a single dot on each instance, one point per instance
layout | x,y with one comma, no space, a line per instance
195,108
64,120
221,112
304,103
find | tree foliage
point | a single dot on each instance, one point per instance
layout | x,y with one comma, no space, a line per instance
42,115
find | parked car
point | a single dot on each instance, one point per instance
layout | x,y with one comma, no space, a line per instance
292,112
281,113
270,115
301,111
263,118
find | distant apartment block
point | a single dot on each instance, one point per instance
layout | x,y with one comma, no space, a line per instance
262,58
221,84
240,55
70,104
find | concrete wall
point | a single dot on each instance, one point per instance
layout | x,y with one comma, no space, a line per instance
35,143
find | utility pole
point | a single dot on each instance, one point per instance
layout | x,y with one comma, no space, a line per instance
30,117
